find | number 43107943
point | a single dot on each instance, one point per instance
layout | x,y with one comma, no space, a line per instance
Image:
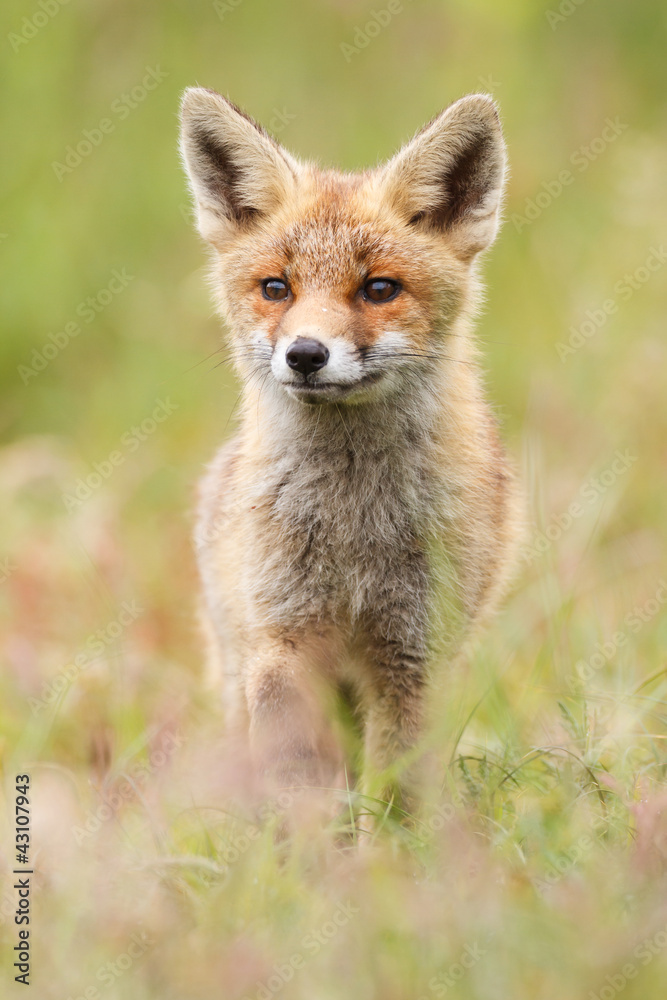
22,817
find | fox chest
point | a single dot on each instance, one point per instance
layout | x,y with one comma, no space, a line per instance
343,538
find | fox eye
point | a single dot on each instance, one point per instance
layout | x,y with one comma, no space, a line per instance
381,289
275,289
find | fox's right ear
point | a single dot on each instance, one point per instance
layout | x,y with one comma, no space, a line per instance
450,177
237,172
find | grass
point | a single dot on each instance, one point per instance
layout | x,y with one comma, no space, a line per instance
538,868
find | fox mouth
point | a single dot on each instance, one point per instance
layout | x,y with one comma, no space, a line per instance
322,392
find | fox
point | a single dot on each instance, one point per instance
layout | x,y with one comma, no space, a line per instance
363,522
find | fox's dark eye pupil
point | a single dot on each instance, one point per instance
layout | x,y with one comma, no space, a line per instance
381,289
274,289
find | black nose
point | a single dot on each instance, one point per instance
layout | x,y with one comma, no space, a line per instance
306,356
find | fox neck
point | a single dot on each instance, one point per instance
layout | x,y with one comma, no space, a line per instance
384,460
405,419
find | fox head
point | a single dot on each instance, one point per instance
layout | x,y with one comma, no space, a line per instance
343,287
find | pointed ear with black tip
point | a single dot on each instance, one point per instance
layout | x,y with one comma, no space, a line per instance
237,173
450,177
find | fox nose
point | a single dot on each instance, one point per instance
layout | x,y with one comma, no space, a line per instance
306,356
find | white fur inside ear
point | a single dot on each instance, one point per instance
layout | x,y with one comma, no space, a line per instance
211,226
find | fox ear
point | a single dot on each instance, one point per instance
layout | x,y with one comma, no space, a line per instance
450,177
237,172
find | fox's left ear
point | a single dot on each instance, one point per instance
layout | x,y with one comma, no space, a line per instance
450,177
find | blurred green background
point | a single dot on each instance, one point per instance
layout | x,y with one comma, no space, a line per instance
580,262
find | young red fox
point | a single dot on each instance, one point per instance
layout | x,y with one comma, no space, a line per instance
364,519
